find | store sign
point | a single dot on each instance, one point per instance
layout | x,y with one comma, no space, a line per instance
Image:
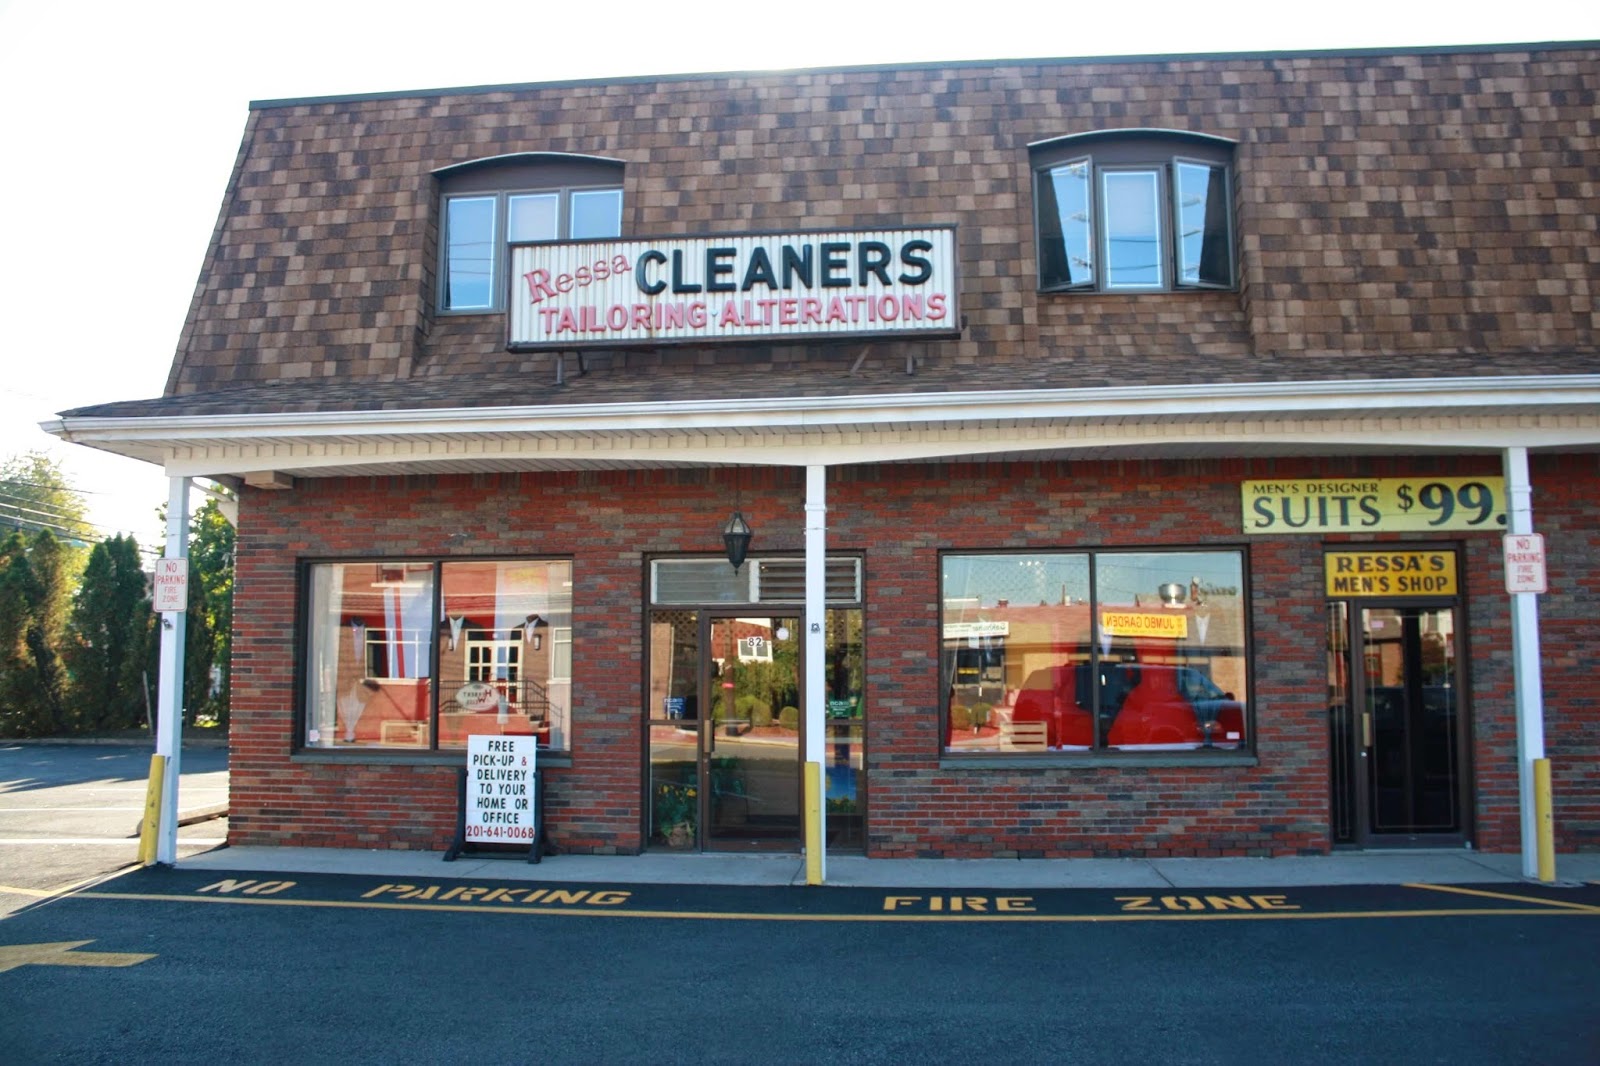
976,630
1375,505
477,696
1173,626
500,789
793,286
1355,574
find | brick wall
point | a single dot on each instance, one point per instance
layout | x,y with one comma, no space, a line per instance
900,517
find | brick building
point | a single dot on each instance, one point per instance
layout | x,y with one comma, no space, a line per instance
1126,444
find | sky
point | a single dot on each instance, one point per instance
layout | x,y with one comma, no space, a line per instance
120,122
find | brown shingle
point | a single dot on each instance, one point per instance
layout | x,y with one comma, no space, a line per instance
1413,205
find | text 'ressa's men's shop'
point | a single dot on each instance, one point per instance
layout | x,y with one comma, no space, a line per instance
1032,458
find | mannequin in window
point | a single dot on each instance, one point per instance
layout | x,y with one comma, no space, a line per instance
352,703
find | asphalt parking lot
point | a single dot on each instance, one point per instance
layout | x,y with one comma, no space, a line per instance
69,813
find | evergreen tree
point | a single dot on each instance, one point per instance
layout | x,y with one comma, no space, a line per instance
111,645
210,625
55,568
16,578
33,579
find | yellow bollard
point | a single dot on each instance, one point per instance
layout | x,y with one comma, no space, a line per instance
1544,821
150,828
813,823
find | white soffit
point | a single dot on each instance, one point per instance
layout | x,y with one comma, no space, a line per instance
1186,421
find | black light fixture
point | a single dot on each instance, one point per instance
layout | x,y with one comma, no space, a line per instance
736,536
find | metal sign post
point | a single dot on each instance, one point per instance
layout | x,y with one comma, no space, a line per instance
1526,672
169,704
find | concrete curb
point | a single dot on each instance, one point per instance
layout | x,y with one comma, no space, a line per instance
203,814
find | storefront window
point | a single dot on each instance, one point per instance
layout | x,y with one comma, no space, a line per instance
413,654
1094,651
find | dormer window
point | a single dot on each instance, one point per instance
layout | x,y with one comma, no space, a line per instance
491,203
1134,211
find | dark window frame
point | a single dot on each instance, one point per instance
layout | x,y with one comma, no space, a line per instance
305,631
500,179
1163,153
1101,754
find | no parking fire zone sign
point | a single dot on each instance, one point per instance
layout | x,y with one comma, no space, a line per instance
1525,570
171,585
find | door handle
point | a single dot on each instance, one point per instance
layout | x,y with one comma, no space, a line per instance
1366,729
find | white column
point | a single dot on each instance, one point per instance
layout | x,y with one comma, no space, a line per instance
1526,672
816,640
169,699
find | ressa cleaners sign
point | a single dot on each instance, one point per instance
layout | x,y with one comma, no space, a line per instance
734,288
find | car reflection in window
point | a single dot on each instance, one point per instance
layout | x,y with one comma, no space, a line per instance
1142,707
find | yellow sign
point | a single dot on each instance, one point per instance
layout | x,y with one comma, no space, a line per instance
1390,573
1369,505
1173,626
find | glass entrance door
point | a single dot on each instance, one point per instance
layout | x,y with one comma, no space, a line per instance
750,747
1398,743
725,728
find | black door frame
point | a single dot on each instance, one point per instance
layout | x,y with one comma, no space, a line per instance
1351,777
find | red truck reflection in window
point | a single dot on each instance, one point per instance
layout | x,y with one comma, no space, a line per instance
1144,707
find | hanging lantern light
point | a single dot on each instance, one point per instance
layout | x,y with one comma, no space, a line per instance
736,536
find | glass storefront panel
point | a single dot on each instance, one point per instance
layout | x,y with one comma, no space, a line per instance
674,783
1086,651
1410,704
725,725
674,729
502,626
752,743
370,655
1172,649
844,748
422,654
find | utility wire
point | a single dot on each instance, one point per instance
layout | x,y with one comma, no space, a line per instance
72,535
85,531
57,488
55,516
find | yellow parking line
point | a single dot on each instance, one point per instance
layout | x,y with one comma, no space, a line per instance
1580,907
62,890
36,893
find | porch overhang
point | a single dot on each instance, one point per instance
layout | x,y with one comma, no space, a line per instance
1343,417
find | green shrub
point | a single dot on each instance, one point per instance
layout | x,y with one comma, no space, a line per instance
980,714
960,717
753,708
789,718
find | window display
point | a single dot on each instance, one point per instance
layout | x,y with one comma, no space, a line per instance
415,654
1094,651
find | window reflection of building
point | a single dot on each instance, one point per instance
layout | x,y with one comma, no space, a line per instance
502,624
496,662
1134,659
